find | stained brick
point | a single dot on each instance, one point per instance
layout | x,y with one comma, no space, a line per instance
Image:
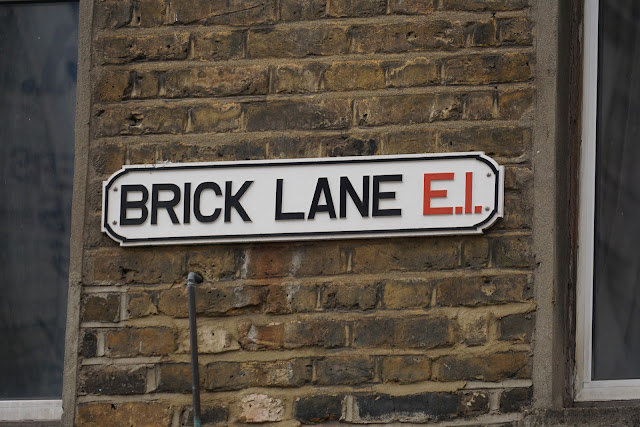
475,252
504,141
113,13
295,10
412,7
478,290
356,8
88,344
217,45
493,367
517,327
352,75
155,47
97,414
297,42
481,34
239,375
101,308
291,335
141,305
140,121
416,407
216,81
214,263
479,106
208,415
488,69
348,296
291,297
408,37
112,380
408,109
411,142
213,118
213,300
415,72
406,369
151,341
512,252
402,294
344,370
515,31
231,12
485,5
138,266
151,12
318,409
474,403
515,400
513,104
114,86
297,78
421,332
173,378
304,115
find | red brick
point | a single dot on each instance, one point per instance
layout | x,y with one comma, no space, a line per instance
151,341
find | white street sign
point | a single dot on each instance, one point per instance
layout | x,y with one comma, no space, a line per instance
300,199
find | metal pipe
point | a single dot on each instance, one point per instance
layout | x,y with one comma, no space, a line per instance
192,280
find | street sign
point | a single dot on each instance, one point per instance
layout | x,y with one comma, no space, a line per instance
303,199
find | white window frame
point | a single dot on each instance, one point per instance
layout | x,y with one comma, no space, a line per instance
586,388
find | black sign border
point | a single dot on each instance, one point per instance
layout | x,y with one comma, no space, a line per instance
275,236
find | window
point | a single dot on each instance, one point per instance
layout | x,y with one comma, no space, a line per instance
38,60
608,300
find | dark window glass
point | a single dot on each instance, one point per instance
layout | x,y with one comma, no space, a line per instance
38,61
616,324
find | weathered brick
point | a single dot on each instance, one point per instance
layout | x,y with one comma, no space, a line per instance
151,341
408,37
516,399
230,12
88,344
214,263
406,369
474,403
297,78
295,10
474,329
296,334
422,407
141,304
482,5
297,42
140,121
402,294
113,13
112,380
518,212
217,45
512,252
213,300
115,86
318,409
260,408
504,141
304,115
356,8
514,103
97,414
408,109
208,415
348,296
475,252
414,72
353,145
515,31
488,69
216,81
518,178
145,84
155,47
412,7
214,118
481,34
405,255
173,378
213,338
352,75
410,142
479,106
239,375
478,290
517,327
326,145
292,297
492,367
138,266
101,308
151,13
420,332
350,370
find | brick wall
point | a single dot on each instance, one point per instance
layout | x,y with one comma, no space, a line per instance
410,329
